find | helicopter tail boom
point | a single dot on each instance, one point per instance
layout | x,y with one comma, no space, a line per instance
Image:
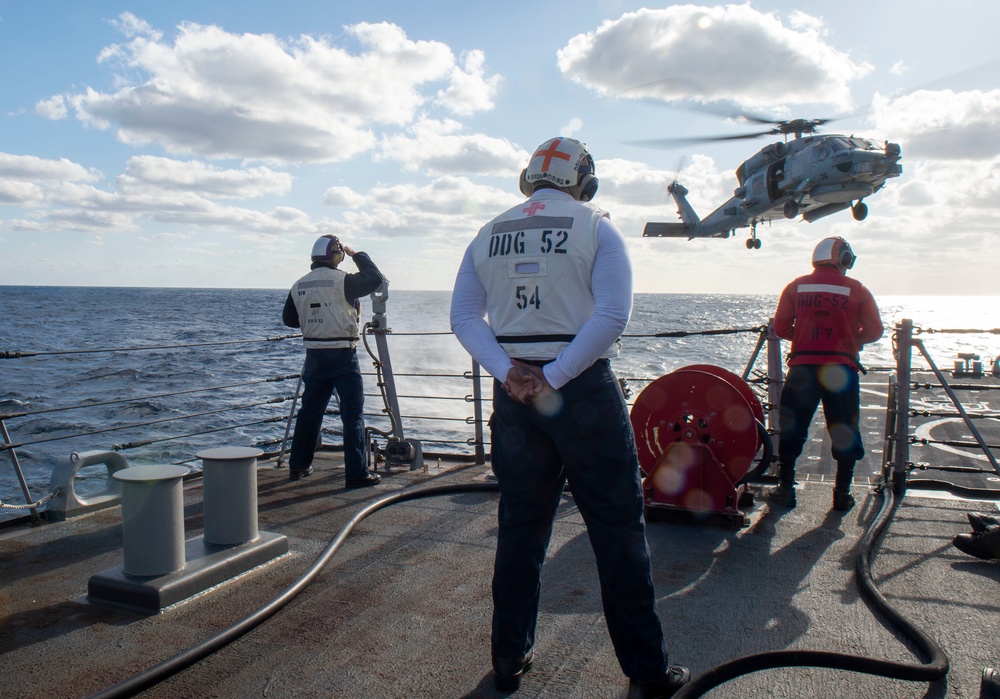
667,230
691,225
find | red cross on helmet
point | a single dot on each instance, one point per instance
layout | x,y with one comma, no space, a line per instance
564,163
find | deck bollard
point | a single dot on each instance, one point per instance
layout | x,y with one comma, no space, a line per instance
152,519
229,475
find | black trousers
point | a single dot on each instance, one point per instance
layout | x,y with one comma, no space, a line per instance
838,388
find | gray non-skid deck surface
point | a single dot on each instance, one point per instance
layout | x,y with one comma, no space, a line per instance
403,609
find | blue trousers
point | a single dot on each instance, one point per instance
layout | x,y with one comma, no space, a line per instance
586,440
835,385
326,370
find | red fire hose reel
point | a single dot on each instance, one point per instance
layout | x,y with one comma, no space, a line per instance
698,430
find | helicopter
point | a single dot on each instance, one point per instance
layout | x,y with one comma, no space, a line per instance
812,175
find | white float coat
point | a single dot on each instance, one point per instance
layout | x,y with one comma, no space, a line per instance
610,286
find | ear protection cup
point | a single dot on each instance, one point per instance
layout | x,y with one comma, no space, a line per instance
523,185
834,251
847,256
587,187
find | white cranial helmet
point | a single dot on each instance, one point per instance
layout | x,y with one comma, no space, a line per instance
564,163
834,251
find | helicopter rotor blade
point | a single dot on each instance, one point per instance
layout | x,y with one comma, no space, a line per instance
694,140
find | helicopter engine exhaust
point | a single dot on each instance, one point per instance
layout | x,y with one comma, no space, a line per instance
823,211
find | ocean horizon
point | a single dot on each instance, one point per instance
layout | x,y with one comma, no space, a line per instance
86,342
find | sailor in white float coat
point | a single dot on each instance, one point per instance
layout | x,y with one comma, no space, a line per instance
553,277
327,320
325,305
536,270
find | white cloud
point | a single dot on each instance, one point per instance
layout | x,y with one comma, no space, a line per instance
30,167
572,127
53,108
146,172
438,147
343,196
806,22
451,208
216,94
731,53
19,192
941,124
470,91
130,25
156,189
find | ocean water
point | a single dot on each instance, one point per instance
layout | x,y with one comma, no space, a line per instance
84,342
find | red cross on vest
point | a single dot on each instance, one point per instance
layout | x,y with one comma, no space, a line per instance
551,153
533,208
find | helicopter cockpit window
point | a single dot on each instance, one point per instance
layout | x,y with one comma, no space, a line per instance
863,144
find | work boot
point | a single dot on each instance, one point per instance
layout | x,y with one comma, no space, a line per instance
842,500
665,687
985,545
508,672
783,495
981,521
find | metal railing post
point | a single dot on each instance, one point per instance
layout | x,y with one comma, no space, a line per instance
904,344
775,375
381,328
477,412
17,470
291,415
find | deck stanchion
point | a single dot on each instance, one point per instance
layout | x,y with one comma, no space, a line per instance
379,298
152,519
477,411
775,375
904,343
17,471
291,415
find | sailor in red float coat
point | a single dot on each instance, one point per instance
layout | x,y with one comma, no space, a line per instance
828,317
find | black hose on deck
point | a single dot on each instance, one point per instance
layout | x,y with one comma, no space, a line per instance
934,669
184,659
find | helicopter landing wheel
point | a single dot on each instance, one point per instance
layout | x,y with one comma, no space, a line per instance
860,211
791,209
753,243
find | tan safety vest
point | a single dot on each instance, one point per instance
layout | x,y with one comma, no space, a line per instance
326,319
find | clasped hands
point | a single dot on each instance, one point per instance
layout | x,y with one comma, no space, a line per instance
524,382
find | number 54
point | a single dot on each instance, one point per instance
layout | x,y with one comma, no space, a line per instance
520,293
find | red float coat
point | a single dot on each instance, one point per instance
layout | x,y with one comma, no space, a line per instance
828,317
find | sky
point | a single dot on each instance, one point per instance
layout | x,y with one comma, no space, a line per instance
208,144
